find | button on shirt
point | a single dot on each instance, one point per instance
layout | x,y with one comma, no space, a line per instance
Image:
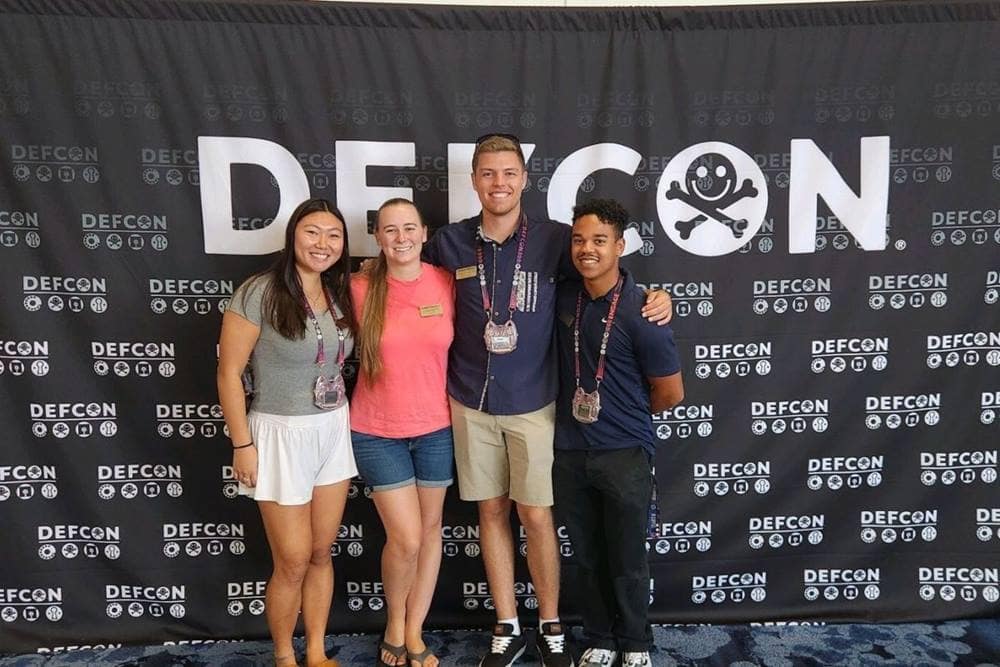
523,380
637,349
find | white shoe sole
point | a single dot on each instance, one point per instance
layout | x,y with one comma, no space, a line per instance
512,660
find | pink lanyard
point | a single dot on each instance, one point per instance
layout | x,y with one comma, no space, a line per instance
604,340
320,352
481,268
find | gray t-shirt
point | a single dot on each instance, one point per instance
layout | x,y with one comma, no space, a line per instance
285,370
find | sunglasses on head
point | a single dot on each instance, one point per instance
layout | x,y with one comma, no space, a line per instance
491,135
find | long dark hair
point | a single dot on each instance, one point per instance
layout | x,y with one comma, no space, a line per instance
283,299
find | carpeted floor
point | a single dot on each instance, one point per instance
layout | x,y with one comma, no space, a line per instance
967,643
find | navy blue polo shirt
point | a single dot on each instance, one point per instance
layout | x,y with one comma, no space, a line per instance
523,380
637,349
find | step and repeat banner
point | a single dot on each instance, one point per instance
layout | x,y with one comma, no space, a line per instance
817,186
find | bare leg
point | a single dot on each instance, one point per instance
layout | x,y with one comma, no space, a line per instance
317,588
428,565
543,557
289,534
497,542
399,510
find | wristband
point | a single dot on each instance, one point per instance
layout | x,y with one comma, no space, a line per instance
249,444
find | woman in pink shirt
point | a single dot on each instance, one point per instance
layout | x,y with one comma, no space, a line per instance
400,419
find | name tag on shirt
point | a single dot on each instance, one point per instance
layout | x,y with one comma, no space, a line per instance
465,272
434,310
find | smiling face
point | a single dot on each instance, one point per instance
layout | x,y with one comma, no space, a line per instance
498,179
596,249
319,242
711,177
400,234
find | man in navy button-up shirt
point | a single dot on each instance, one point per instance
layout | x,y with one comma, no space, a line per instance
604,434
503,401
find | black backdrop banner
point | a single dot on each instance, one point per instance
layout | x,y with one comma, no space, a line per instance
817,187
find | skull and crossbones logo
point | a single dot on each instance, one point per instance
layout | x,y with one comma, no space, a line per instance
711,189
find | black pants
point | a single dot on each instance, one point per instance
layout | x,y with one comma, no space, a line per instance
603,499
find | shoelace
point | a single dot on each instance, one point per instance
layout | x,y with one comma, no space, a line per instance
599,656
636,660
500,643
556,643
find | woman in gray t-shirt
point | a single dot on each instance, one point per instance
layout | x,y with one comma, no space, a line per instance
294,324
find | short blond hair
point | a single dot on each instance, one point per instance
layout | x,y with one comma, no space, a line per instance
497,144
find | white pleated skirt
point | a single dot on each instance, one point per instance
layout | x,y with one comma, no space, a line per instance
296,453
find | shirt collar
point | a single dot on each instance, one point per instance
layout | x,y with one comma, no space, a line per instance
481,235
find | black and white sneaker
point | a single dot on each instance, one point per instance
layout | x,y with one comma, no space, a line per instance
598,657
552,650
505,647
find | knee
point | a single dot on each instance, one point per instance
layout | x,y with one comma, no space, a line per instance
320,554
536,520
291,568
494,510
404,548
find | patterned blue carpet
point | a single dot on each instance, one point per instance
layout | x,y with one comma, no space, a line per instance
968,642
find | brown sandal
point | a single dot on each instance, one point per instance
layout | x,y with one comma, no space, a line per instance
419,658
396,652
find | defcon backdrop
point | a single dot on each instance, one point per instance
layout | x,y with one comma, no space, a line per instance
817,187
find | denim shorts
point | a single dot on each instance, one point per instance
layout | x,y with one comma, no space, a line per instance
392,463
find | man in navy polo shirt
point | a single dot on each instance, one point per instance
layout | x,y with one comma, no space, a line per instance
615,368
502,383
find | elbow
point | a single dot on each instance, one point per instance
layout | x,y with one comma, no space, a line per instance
667,399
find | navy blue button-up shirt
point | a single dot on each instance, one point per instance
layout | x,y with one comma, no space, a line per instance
637,349
525,379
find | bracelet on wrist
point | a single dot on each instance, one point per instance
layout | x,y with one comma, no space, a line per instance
249,444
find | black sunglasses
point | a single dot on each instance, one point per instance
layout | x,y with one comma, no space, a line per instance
510,137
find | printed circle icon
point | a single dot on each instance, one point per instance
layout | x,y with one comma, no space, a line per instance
718,596
780,305
177,610
741,486
948,477
703,370
814,482
256,607
762,486
988,475
701,488
876,301
171,549
811,593
947,593
758,427
113,610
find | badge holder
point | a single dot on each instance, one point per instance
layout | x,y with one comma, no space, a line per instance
586,407
500,338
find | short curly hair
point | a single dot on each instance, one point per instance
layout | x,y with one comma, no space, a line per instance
608,211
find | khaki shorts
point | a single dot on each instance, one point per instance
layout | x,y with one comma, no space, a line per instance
498,455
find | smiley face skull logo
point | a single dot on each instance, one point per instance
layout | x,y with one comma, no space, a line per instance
711,182
711,188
